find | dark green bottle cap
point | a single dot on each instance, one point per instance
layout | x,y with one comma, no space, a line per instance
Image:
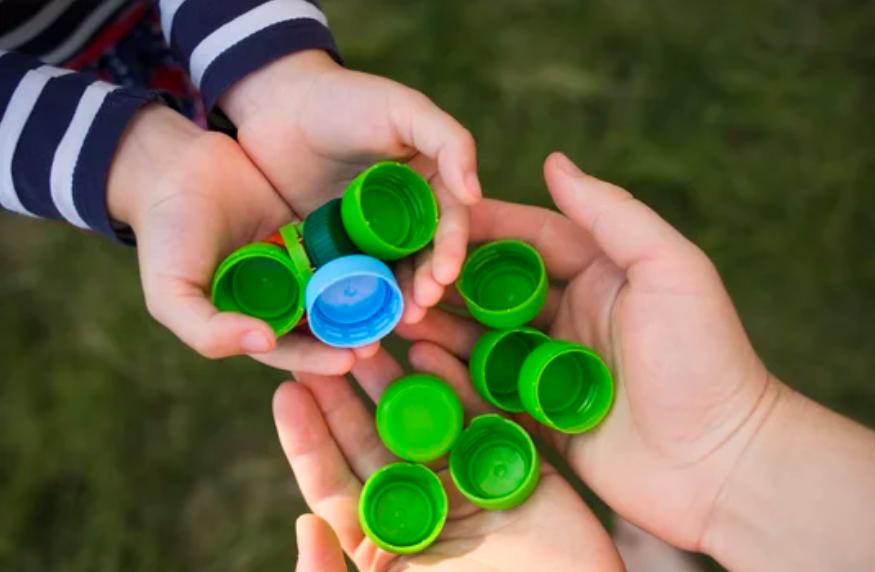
504,284
496,362
495,463
325,238
419,418
403,508
262,281
566,386
389,211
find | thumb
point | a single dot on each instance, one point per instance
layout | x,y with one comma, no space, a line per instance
318,547
629,232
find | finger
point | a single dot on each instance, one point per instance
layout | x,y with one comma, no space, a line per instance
430,358
404,273
629,232
454,333
374,375
327,484
420,124
368,351
451,237
350,423
297,352
565,247
426,290
319,549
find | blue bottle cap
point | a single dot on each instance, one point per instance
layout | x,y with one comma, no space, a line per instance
353,301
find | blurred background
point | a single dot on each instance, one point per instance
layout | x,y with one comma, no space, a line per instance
750,125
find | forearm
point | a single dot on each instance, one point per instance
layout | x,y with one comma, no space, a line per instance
58,134
802,496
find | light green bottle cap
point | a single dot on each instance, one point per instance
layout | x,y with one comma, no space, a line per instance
389,211
504,284
419,418
496,362
566,386
265,281
495,463
403,508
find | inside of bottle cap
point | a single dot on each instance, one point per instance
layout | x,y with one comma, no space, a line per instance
493,459
503,365
572,389
356,309
399,207
502,276
404,505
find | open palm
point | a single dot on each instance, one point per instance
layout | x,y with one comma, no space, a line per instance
331,441
690,389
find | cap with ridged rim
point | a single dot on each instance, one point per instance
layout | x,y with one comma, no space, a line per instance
390,211
419,418
325,238
495,463
496,362
566,386
403,508
261,280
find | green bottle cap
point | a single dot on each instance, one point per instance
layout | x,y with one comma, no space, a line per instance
390,211
419,418
325,239
566,386
403,508
496,362
261,280
504,284
495,463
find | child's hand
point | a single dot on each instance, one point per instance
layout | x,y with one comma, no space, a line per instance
331,441
318,547
311,126
193,197
691,392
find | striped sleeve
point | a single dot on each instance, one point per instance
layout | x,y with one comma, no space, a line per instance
58,134
221,42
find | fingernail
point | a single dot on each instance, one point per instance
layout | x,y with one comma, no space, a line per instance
570,168
472,182
255,342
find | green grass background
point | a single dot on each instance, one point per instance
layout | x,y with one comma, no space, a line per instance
750,125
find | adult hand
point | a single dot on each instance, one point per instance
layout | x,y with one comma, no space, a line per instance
331,441
311,126
192,197
691,391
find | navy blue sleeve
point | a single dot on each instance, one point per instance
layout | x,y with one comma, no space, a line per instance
58,134
220,42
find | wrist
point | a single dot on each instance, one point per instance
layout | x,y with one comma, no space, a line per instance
281,78
796,499
154,140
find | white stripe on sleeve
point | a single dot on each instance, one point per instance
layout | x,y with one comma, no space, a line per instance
246,25
70,148
35,25
86,29
168,13
18,111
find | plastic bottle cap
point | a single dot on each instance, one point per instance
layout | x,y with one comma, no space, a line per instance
390,211
496,362
261,280
504,284
566,386
353,301
419,418
403,508
325,238
495,463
